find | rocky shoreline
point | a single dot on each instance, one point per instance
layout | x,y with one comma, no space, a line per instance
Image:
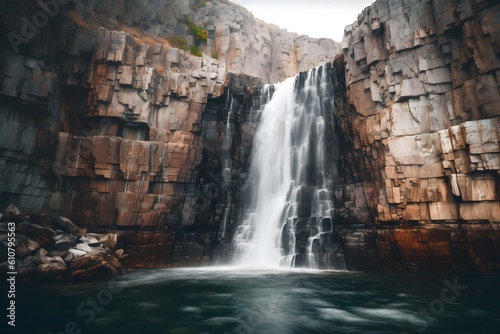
53,248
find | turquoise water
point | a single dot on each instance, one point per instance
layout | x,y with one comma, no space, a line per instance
217,300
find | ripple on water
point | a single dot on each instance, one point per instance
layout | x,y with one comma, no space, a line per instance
319,302
218,321
191,309
147,305
383,314
344,316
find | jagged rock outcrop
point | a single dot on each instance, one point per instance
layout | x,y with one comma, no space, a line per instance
421,148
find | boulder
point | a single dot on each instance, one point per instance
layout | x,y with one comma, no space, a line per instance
119,252
93,267
24,246
107,240
52,270
64,241
27,262
76,253
84,247
89,239
41,235
68,226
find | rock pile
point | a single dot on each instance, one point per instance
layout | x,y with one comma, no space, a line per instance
54,248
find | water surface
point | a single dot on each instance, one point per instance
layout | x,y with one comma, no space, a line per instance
232,300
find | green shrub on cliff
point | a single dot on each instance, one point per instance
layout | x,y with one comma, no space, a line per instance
199,34
195,50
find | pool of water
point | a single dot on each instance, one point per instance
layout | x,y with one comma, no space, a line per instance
236,300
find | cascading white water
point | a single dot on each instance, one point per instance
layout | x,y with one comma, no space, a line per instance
226,164
290,208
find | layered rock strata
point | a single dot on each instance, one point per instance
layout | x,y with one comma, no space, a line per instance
421,150
103,127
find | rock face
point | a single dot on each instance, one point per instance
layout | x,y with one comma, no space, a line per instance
421,149
241,42
250,46
103,126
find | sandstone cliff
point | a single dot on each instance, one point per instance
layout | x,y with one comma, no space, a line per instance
421,128
103,126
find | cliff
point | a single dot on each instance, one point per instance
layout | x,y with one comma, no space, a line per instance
242,43
420,124
103,127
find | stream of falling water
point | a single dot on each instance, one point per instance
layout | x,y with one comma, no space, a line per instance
288,218
226,163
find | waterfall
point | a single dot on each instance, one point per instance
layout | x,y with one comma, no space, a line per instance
226,163
288,216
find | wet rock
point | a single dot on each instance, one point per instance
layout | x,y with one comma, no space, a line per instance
91,267
84,247
37,233
77,252
64,241
119,252
52,270
68,226
24,246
